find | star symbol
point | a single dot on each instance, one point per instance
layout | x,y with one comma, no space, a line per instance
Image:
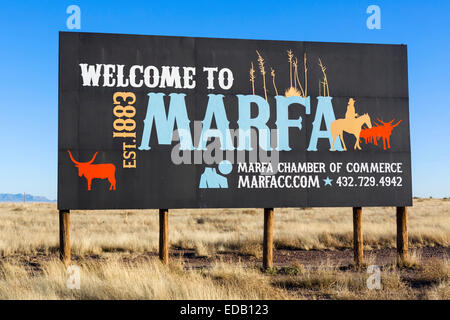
327,181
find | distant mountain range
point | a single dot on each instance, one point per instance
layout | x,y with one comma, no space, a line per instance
18,197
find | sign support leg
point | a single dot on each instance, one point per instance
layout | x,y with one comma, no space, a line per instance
164,235
357,236
64,236
268,238
402,233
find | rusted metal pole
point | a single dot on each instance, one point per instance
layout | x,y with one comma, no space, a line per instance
164,235
402,233
64,236
268,238
357,236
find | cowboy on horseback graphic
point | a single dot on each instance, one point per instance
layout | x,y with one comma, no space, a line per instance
352,123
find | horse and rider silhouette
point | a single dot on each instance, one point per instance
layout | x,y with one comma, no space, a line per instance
352,123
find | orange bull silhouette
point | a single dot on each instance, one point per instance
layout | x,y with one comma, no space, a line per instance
378,131
96,171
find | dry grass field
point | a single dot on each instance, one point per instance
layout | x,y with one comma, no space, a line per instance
215,254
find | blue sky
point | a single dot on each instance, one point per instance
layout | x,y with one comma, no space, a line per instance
29,66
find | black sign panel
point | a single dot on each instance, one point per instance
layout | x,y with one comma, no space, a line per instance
176,122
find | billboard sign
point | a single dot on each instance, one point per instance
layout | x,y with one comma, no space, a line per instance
179,122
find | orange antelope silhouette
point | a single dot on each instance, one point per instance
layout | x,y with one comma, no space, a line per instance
96,171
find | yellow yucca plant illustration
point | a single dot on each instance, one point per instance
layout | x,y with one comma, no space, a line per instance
300,91
295,63
292,90
272,73
290,56
263,72
297,79
326,89
252,78
306,75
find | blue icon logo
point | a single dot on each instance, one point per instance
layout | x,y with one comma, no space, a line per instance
210,179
